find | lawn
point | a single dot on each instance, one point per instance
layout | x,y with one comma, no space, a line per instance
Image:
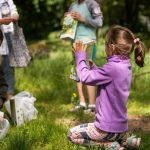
47,78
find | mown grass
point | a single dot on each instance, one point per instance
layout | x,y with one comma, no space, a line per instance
47,78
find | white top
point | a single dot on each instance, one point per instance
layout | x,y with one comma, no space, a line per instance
7,8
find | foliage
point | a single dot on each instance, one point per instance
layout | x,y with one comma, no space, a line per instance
127,13
40,17
48,79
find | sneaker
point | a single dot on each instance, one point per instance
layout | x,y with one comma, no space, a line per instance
90,110
78,107
133,142
115,146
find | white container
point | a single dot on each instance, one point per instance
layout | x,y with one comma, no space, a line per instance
21,108
4,126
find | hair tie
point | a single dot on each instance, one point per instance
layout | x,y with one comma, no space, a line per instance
137,40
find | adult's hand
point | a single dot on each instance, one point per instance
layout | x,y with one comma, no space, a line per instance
78,17
6,20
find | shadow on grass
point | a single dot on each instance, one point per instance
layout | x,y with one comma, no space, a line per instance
48,80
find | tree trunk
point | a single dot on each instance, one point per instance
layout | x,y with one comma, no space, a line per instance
132,12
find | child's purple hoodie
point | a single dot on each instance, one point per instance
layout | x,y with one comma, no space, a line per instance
113,82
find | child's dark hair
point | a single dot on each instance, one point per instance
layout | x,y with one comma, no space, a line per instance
1,37
125,43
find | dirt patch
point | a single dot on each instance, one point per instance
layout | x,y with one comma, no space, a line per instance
139,123
135,123
39,50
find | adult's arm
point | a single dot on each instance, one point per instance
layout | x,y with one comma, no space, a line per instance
14,16
6,20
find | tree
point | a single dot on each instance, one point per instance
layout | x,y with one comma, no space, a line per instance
132,12
43,16
40,16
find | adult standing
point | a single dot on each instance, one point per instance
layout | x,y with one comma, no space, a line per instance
3,84
8,15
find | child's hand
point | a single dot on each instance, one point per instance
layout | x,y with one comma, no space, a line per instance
78,17
66,13
79,46
90,63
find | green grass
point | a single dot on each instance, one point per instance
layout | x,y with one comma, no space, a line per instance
47,78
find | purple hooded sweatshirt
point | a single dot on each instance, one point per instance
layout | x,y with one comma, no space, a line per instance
113,82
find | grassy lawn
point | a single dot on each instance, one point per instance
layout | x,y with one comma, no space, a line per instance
47,78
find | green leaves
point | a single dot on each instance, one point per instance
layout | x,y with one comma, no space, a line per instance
43,16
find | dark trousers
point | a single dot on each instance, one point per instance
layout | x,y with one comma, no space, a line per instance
3,87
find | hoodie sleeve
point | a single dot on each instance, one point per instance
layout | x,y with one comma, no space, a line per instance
97,17
94,76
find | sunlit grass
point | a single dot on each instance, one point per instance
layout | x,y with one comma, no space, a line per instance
48,80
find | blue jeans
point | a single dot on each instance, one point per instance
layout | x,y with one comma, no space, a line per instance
8,70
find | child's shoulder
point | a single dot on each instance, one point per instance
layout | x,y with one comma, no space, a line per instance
92,2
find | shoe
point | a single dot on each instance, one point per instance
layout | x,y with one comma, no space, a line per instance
90,110
133,142
78,107
114,146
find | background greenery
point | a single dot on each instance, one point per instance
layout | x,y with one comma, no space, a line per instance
42,16
47,76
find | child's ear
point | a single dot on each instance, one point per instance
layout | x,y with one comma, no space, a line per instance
112,46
